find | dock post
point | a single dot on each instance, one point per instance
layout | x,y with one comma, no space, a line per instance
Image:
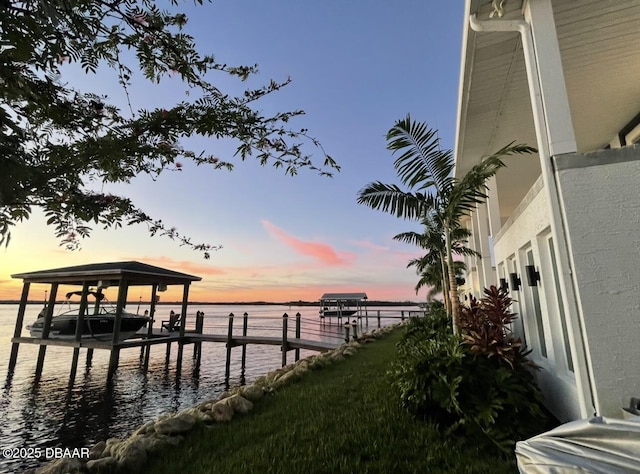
297,352
229,346
46,328
346,332
18,330
366,311
79,325
245,324
89,357
96,309
183,324
114,358
402,315
285,330
354,326
168,355
197,346
152,315
378,319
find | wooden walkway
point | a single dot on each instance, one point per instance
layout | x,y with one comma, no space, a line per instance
164,337
196,336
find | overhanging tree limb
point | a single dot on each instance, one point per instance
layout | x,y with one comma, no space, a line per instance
58,141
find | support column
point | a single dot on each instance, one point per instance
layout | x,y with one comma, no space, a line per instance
183,318
478,280
46,328
493,207
152,315
19,322
485,267
79,326
554,130
115,351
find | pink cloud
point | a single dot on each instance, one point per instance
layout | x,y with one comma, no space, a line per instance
320,251
370,245
198,269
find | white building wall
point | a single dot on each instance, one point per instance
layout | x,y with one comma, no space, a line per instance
528,229
600,196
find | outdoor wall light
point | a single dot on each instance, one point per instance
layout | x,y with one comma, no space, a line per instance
503,284
515,281
533,276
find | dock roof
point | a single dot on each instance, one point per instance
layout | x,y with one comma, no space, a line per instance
343,297
136,273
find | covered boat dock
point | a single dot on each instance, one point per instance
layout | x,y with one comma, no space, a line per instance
122,275
341,305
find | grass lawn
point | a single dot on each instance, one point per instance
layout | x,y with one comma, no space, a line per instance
344,418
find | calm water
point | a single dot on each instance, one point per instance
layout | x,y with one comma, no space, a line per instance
56,412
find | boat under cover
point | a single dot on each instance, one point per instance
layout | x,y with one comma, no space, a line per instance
94,326
342,312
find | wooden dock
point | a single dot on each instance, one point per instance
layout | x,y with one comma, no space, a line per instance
189,338
148,337
125,275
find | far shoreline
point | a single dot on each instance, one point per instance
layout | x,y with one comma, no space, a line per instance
238,303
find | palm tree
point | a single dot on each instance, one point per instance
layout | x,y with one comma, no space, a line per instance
432,239
427,171
432,275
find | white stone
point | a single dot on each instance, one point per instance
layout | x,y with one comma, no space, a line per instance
221,412
179,423
239,404
252,393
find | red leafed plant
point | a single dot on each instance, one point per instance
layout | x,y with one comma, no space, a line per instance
484,325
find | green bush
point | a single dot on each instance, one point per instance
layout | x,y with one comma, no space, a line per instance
442,378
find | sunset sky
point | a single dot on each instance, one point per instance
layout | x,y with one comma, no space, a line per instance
356,67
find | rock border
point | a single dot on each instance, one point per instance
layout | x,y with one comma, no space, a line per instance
116,456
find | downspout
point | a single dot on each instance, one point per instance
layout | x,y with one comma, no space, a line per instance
557,221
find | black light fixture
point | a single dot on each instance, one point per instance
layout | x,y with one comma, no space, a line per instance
503,284
515,281
533,276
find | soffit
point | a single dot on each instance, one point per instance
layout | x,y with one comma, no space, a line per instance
600,49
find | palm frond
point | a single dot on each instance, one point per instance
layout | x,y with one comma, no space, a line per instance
422,163
412,238
471,189
391,199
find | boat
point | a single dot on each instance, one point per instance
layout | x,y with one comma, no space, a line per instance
339,312
98,325
338,304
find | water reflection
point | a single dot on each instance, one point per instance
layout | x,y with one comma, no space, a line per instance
61,409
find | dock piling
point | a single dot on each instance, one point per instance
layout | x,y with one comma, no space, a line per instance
229,346
46,328
245,324
152,315
285,330
346,332
18,330
297,351
354,326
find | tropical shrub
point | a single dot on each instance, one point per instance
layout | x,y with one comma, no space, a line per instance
483,391
486,327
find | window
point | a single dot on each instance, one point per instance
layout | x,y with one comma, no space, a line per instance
517,306
561,314
535,297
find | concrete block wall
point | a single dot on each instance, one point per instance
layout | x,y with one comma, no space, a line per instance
600,196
